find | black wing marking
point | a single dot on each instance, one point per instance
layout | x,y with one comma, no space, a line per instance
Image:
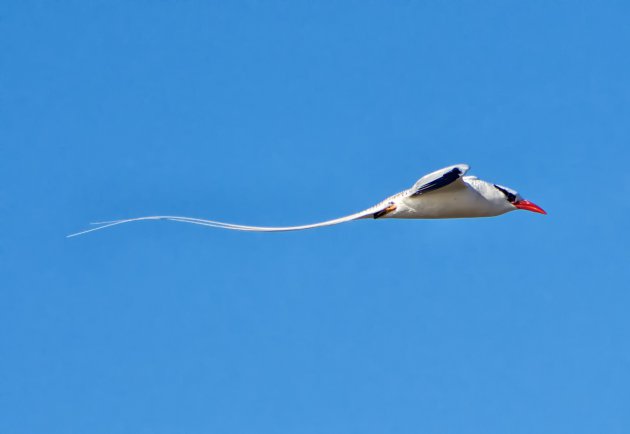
444,180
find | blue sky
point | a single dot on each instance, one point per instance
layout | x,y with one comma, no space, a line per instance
279,113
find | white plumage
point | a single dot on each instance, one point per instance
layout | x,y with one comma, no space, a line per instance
445,193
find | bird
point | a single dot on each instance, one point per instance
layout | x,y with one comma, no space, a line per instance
444,194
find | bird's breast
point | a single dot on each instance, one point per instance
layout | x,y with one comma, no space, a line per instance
458,203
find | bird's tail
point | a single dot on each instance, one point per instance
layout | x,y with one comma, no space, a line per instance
231,226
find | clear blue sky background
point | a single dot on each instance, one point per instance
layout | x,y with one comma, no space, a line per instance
293,112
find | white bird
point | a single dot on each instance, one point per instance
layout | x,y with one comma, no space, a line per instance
445,193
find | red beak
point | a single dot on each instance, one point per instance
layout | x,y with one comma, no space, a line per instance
529,206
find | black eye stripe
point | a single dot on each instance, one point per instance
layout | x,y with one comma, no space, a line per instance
511,197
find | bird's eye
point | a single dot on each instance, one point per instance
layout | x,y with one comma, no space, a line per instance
511,197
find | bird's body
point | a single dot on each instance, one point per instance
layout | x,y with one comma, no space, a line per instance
471,197
443,194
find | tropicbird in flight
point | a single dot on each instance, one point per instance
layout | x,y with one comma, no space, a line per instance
445,193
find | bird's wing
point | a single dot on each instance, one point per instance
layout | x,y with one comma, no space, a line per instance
439,179
370,212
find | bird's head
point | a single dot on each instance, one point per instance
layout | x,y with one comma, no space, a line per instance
516,200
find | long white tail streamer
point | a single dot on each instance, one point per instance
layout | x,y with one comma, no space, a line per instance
231,226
